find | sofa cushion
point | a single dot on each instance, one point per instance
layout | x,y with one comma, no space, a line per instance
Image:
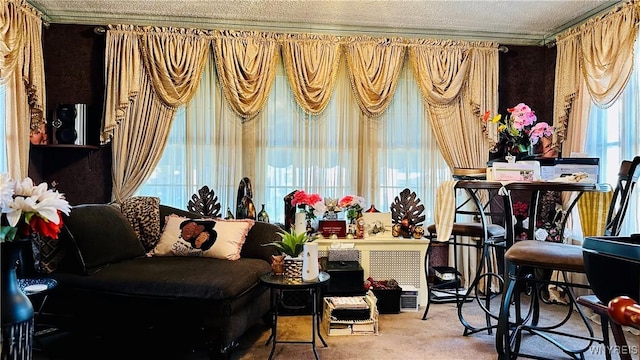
215,238
172,277
99,235
143,212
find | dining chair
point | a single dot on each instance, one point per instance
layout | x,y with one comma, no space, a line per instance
524,257
610,226
474,219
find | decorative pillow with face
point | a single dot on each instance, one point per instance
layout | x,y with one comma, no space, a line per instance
216,238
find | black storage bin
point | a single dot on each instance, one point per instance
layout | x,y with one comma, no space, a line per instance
388,300
347,278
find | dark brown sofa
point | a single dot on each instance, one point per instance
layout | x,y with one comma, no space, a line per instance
107,285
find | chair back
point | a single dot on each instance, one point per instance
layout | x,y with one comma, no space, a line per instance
593,208
627,179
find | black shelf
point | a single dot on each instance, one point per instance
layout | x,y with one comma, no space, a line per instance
68,146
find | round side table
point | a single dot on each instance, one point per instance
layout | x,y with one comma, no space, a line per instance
277,283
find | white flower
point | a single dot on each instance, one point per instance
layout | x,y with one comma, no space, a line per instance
541,234
319,208
7,186
23,199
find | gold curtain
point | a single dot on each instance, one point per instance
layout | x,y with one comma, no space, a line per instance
607,54
374,67
138,142
142,121
311,63
122,76
459,82
596,57
174,71
246,68
22,71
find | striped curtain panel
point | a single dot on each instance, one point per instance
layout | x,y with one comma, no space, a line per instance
593,208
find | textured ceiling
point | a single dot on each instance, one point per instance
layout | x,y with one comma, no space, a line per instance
515,22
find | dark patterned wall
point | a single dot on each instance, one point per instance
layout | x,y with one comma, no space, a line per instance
74,69
527,75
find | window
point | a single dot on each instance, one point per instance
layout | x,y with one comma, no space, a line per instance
322,154
613,136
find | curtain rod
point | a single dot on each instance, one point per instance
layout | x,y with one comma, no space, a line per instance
101,30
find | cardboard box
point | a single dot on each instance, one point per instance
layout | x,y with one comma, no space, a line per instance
518,171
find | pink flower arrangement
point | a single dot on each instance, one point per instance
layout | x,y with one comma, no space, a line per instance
313,202
519,130
353,204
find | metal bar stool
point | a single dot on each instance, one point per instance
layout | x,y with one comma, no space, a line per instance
525,260
484,236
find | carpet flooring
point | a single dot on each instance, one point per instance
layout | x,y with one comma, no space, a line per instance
400,336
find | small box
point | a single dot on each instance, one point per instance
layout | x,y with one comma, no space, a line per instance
518,171
336,255
330,227
347,278
388,300
409,298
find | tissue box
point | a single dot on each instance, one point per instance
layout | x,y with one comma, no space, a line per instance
344,255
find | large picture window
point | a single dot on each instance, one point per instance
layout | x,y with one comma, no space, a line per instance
613,135
336,153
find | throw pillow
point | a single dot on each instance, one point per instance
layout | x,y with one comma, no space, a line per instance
99,235
47,254
215,238
143,212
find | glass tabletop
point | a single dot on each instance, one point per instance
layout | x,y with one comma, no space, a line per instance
281,282
31,286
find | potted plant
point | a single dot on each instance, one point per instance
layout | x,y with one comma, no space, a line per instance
291,245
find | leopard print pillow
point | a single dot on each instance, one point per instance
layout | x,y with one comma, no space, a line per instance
143,212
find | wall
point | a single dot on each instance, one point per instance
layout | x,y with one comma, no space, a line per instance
74,68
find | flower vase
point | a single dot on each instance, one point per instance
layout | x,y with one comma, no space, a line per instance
17,310
300,222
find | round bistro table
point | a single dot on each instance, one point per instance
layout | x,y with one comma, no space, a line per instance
277,283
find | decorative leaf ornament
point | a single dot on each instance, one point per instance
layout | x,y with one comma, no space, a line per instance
407,205
205,203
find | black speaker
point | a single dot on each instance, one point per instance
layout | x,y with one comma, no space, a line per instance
65,123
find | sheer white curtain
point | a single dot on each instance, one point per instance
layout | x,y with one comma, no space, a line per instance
297,151
613,135
283,149
204,148
342,153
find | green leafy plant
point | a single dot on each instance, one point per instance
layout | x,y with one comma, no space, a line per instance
291,244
